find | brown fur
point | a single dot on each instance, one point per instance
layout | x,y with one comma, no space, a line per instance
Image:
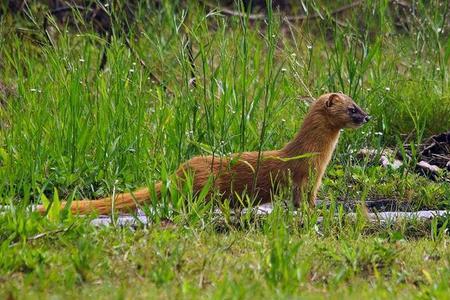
259,175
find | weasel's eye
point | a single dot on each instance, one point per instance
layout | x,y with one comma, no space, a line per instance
352,110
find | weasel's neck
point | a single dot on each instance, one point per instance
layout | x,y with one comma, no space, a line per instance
314,136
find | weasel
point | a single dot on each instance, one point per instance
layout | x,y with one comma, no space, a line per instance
302,162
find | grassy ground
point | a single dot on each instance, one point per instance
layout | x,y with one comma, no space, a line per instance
71,131
272,260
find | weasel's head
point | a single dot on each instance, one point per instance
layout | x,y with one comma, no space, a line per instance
341,111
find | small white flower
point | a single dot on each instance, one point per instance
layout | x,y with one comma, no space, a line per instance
309,47
283,70
378,133
368,89
438,69
131,70
387,88
283,120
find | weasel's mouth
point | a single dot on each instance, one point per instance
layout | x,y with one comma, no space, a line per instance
360,120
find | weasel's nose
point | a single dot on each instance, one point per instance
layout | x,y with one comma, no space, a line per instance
367,118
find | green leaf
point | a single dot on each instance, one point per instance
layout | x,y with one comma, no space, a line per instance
4,157
205,147
285,159
45,201
54,211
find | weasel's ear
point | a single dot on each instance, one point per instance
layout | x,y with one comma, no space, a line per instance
331,100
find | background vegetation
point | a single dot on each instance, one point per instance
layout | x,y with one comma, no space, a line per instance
93,107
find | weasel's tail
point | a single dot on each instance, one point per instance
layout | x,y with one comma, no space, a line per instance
104,206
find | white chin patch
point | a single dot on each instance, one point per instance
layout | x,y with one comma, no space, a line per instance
355,125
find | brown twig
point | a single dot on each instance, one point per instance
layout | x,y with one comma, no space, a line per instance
104,55
142,63
192,80
55,12
44,234
319,15
401,3
262,16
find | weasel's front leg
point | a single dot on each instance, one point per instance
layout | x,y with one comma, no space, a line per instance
296,196
299,190
312,198
302,191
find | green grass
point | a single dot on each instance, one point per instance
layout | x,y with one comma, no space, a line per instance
272,258
72,131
